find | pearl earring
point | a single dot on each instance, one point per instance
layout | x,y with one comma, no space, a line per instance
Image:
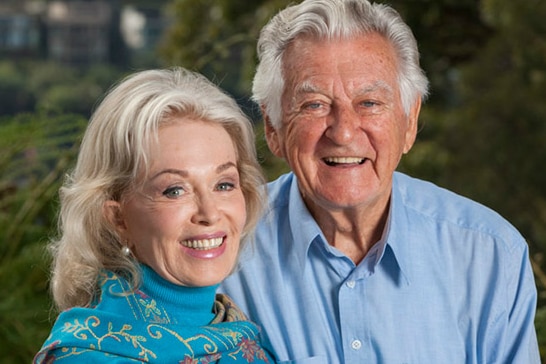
125,250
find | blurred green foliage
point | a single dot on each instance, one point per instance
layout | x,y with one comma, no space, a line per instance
29,86
35,151
482,130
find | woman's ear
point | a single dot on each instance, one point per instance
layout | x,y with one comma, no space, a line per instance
113,214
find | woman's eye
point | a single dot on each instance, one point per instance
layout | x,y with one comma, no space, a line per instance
225,186
173,192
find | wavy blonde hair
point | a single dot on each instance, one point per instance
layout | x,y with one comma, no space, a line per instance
116,149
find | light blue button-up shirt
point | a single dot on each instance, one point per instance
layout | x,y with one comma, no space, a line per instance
449,282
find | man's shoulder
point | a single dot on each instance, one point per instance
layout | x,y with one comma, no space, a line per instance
278,201
447,207
428,197
278,190
280,193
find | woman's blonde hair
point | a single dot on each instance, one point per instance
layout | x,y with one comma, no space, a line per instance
115,150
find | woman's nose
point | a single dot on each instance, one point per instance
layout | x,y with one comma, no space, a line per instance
206,210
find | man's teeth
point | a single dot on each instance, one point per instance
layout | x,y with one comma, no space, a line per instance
344,160
203,244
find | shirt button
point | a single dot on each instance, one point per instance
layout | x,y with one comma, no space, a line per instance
351,284
356,345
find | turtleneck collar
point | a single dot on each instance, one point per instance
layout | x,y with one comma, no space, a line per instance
187,305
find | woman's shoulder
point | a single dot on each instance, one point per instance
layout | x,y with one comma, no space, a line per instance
82,335
101,331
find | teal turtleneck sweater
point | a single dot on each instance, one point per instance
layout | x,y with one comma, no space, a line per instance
160,322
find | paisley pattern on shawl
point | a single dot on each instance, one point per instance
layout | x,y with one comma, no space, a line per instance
160,322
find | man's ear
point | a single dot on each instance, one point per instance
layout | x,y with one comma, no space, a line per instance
271,136
113,214
413,122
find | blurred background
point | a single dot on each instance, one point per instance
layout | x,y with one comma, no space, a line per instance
482,133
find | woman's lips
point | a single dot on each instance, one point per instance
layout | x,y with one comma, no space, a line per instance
204,248
203,244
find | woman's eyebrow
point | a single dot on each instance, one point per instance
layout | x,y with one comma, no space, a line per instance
179,172
225,166
184,173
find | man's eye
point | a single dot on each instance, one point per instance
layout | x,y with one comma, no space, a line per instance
173,192
368,103
313,105
316,108
225,186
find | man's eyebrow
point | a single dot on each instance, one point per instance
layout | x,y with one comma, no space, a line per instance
307,87
376,86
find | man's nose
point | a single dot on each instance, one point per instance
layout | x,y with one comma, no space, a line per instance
343,124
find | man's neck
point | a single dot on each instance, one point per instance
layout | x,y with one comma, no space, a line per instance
353,231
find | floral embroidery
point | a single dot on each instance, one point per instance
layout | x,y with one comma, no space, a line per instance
207,359
189,360
251,349
88,331
95,335
149,307
84,331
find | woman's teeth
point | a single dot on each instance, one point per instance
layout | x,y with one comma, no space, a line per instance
203,244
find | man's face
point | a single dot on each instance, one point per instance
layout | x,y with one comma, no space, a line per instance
343,128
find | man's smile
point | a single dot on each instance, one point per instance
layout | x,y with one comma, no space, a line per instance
335,161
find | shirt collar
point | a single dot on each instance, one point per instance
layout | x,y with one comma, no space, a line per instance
304,227
396,234
305,230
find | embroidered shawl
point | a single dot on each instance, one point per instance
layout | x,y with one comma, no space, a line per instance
159,322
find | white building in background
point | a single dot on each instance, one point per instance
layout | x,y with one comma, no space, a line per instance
132,27
20,27
77,32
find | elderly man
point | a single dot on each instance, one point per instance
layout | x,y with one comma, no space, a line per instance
354,262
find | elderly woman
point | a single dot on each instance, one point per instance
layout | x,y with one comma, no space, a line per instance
165,188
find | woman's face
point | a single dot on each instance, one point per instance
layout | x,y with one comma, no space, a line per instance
186,221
